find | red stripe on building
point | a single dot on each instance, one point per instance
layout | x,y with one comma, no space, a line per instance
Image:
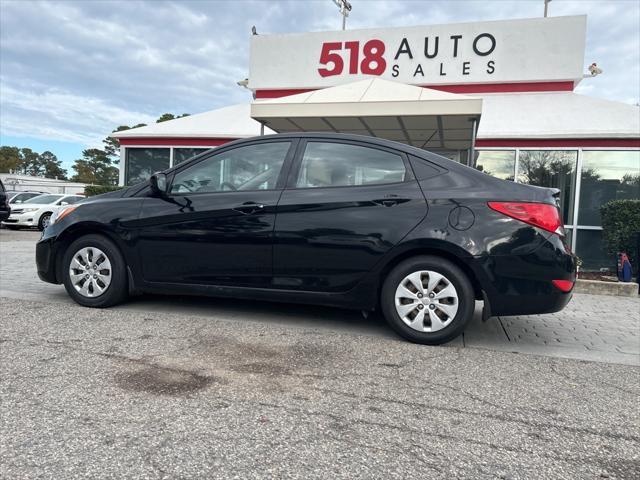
262,94
175,141
505,87
559,142
462,88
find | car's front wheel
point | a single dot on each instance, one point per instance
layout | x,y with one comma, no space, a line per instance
428,300
94,272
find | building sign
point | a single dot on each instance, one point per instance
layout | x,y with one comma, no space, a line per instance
530,50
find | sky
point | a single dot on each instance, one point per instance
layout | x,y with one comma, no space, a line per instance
70,72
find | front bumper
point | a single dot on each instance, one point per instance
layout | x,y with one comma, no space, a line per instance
22,219
46,256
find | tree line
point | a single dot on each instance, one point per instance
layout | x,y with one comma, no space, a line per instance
97,166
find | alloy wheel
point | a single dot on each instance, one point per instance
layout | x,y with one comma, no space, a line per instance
90,272
426,301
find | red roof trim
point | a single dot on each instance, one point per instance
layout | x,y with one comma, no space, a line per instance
263,94
505,87
481,142
175,141
461,88
559,142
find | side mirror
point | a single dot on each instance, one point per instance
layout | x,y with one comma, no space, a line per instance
62,204
18,201
158,182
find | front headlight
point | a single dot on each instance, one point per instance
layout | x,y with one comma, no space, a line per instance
60,214
28,210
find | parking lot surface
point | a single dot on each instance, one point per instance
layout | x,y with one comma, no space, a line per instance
125,394
591,327
203,388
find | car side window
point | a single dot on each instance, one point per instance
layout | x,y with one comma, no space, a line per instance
252,167
327,164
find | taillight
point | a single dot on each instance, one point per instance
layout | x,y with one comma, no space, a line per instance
541,215
564,285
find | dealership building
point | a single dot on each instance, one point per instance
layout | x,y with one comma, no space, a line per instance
497,96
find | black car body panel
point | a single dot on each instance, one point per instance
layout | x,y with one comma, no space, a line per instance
5,209
330,245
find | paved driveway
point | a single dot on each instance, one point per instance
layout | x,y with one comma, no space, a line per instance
591,327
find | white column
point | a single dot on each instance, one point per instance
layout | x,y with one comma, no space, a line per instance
123,166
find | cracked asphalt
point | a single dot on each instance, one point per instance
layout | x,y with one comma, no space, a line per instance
123,393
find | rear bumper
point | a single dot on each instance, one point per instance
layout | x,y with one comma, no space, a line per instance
522,284
4,214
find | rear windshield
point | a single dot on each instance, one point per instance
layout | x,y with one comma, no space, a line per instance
44,199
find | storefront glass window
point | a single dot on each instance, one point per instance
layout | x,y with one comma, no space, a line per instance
499,163
590,249
551,168
143,162
606,175
182,154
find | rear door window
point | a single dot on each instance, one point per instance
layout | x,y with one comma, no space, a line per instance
328,164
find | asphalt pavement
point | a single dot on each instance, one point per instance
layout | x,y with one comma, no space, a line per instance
125,394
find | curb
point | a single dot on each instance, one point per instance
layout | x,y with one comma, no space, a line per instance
597,287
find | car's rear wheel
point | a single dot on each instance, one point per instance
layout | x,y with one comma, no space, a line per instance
44,221
94,272
427,300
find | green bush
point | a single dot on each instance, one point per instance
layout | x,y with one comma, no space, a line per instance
621,225
91,190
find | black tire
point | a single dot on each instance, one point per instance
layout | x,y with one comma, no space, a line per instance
464,289
118,289
44,219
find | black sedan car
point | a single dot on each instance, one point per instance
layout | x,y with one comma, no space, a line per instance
329,219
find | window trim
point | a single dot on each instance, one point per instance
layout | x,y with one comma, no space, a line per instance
295,170
284,169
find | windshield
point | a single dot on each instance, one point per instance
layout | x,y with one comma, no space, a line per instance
44,199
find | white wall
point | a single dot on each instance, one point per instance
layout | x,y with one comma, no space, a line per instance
13,182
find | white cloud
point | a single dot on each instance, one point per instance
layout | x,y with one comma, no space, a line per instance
75,70
58,115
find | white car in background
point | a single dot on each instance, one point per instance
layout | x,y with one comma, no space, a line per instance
37,211
21,197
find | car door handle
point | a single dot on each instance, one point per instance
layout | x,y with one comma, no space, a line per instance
248,208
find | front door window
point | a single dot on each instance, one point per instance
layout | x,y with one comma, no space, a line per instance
254,167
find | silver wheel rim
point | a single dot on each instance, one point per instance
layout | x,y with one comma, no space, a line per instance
90,272
426,301
46,220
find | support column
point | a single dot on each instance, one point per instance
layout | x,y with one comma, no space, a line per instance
472,150
122,166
